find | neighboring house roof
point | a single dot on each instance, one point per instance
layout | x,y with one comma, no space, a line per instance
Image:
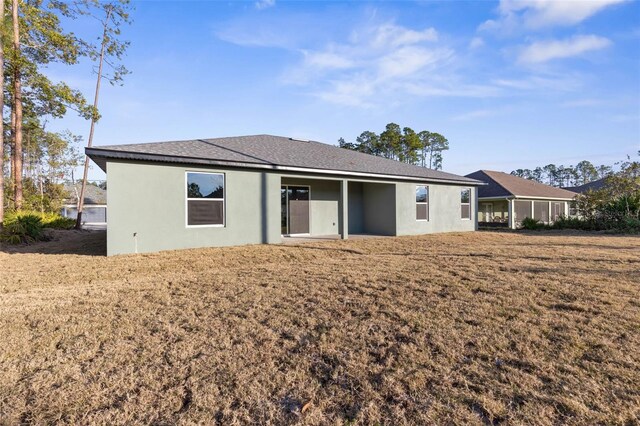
270,152
92,194
591,186
500,184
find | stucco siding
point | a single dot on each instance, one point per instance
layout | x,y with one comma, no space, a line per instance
356,211
323,205
444,210
149,200
379,213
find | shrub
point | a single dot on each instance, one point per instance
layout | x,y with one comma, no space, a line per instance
631,225
531,224
28,226
56,221
599,223
615,207
48,220
24,228
564,222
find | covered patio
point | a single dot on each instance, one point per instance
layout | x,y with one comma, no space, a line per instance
319,238
324,208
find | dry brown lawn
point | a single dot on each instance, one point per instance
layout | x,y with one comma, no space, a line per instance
480,328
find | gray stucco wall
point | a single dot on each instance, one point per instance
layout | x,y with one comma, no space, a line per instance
371,208
323,206
444,210
149,199
379,208
356,211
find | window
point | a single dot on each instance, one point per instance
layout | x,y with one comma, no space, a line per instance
422,203
465,203
573,209
205,199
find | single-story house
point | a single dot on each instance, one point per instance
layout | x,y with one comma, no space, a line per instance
590,186
507,199
94,211
255,189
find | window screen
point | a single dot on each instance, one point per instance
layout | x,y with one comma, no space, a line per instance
541,211
422,202
205,199
521,209
465,203
556,211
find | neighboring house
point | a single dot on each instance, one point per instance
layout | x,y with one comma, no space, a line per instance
95,204
591,186
506,200
255,189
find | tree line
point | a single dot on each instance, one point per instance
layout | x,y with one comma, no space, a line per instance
34,161
423,148
565,176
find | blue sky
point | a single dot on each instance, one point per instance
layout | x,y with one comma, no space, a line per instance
511,84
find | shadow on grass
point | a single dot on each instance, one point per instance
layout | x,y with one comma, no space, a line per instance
81,243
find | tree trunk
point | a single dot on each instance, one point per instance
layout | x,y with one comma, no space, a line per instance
17,105
93,121
12,175
1,119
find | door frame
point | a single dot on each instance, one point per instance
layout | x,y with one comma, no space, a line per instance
287,207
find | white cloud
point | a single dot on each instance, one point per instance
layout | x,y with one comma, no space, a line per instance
556,83
623,118
328,60
374,61
386,64
350,92
476,43
472,115
544,51
265,4
407,61
533,14
579,103
453,88
391,35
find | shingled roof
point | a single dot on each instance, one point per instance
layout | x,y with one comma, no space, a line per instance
591,186
500,184
270,152
92,194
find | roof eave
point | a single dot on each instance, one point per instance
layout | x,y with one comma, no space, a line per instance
100,153
524,197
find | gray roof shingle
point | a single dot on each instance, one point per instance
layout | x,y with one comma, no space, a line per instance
591,186
92,194
500,184
265,150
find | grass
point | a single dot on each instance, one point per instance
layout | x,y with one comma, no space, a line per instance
482,328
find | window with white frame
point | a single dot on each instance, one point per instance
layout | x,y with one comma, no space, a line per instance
205,199
465,203
422,202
